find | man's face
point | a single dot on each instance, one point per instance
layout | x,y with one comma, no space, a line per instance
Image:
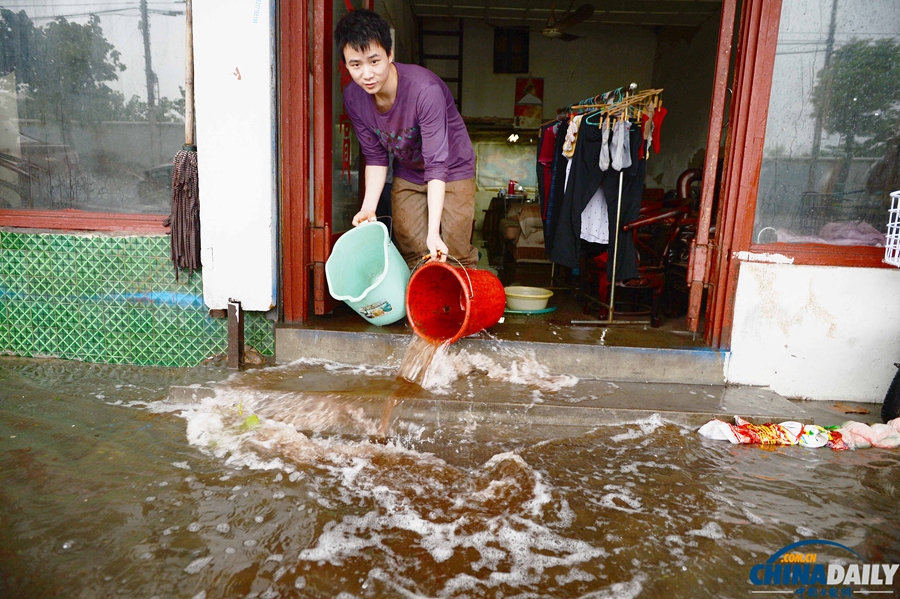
370,67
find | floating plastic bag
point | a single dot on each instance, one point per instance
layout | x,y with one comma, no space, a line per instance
770,433
885,436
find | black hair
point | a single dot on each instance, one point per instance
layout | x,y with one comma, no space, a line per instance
359,29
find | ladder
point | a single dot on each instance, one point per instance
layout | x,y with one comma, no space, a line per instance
441,52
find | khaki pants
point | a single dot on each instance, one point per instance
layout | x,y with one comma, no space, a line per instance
409,207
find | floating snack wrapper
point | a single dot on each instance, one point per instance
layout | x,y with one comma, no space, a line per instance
770,433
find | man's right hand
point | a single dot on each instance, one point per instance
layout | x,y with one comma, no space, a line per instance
363,216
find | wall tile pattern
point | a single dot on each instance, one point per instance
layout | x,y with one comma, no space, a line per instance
99,298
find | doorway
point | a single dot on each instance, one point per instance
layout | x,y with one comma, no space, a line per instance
655,53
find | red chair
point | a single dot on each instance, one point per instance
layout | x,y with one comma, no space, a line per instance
654,233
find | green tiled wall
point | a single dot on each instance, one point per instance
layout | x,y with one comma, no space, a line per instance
108,299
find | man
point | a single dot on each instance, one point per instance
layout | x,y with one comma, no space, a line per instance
407,111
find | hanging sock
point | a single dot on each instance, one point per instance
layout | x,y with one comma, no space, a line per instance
621,147
647,128
604,145
658,117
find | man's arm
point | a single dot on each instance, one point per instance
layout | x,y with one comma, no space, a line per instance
436,246
375,177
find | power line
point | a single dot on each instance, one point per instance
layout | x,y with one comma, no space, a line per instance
135,3
112,12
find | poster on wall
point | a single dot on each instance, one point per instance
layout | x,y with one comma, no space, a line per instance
498,162
529,108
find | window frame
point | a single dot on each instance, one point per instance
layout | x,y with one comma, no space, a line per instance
806,254
821,254
80,220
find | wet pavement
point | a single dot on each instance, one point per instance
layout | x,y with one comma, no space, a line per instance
496,481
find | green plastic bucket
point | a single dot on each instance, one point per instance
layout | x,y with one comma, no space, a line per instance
367,273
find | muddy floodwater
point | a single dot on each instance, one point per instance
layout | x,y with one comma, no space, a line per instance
320,480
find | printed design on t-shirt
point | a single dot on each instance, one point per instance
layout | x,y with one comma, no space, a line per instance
405,144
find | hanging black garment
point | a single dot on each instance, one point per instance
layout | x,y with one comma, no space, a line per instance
632,194
584,179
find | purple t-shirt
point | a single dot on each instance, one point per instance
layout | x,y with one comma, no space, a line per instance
423,129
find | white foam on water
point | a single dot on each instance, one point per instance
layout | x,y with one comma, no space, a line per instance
436,368
618,495
711,530
524,370
620,590
806,532
198,564
752,517
575,574
720,498
504,511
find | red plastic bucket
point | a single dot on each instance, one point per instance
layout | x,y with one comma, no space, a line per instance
445,303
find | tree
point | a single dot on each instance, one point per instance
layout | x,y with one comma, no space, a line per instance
63,69
18,41
857,97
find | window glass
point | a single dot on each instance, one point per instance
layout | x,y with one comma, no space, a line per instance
833,134
91,103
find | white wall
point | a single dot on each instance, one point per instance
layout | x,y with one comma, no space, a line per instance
608,58
684,69
816,332
234,71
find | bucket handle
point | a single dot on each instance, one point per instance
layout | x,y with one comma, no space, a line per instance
465,270
390,227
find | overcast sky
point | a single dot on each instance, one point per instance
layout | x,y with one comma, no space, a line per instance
120,20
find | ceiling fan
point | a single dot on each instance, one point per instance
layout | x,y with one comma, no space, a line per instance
554,28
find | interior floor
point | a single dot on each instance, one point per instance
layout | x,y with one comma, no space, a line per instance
575,319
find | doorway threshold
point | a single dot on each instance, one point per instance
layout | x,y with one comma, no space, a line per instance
590,348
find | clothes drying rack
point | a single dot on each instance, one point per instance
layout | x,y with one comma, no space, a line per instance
620,104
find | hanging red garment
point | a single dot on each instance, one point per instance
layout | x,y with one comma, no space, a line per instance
658,117
545,159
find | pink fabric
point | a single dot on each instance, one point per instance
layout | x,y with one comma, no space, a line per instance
838,233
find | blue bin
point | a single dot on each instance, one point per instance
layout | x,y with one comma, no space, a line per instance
367,272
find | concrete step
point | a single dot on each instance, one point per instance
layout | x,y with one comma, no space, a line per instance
586,355
600,402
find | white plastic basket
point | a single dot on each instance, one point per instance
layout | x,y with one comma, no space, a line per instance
892,245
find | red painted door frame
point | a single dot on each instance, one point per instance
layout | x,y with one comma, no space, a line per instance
322,71
754,63
294,108
305,56
699,265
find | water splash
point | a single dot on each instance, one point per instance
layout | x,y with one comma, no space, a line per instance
436,368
